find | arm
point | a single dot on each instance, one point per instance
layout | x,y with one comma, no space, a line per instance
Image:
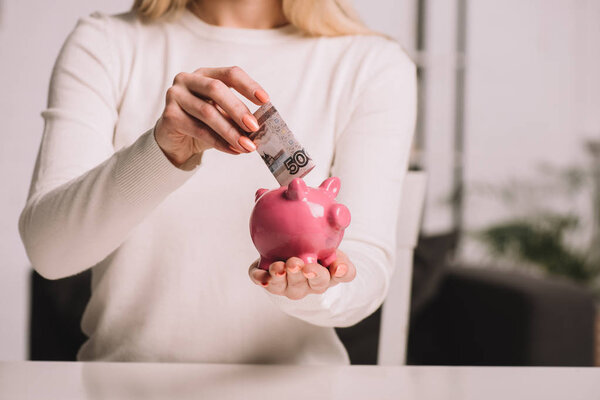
85,198
371,161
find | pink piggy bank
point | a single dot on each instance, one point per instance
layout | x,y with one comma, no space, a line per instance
298,221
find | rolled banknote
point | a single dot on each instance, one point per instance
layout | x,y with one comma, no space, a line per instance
277,146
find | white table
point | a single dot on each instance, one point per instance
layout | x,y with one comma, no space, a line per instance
66,380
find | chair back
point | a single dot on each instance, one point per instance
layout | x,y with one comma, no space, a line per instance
393,333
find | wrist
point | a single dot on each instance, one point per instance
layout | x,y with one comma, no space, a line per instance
185,162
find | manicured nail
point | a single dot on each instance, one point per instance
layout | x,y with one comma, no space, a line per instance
310,275
251,122
264,284
294,269
261,95
246,143
341,270
281,273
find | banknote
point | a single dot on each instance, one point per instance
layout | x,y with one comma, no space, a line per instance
277,146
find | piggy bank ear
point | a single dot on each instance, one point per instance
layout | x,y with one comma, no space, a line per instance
259,193
339,216
296,190
331,185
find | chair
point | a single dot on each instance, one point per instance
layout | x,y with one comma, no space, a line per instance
481,315
395,312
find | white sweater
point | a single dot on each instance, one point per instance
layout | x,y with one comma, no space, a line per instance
170,249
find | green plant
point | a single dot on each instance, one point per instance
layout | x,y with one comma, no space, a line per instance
538,234
540,241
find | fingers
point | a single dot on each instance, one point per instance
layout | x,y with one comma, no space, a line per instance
278,281
209,115
204,133
202,112
295,280
220,93
317,277
205,95
258,276
297,285
175,119
238,79
342,269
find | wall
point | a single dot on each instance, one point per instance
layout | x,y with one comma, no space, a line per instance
30,38
533,96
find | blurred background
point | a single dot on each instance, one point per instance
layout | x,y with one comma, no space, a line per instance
507,268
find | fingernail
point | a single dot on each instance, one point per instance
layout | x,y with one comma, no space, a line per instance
341,270
251,122
281,273
264,284
310,275
246,143
261,95
294,269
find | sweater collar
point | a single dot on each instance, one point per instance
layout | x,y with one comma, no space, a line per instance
237,35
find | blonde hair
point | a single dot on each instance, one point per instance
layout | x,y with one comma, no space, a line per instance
313,17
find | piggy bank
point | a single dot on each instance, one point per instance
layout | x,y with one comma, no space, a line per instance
298,221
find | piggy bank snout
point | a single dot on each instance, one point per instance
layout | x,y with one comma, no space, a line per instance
339,216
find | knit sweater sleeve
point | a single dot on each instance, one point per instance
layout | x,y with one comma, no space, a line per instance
371,158
84,197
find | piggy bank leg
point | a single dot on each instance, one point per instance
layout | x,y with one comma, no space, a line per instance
308,258
326,262
264,263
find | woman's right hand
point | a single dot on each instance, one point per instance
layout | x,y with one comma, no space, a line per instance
201,112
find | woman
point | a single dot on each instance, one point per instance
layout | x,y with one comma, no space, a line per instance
144,174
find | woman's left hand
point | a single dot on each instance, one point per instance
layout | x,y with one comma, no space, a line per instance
295,280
